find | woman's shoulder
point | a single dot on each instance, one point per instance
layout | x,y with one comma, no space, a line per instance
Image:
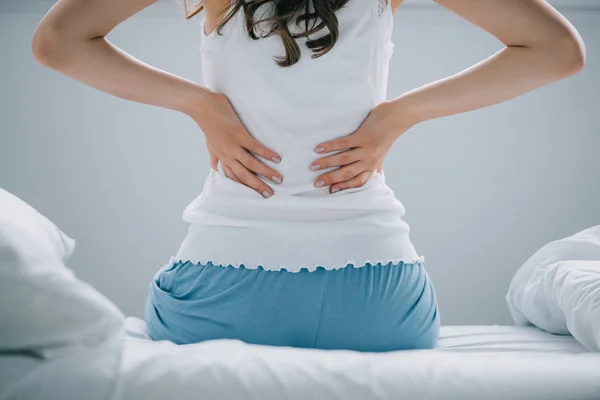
394,4
215,6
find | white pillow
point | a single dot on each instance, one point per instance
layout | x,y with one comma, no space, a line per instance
530,300
44,308
22,226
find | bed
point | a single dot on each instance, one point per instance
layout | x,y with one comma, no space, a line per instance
61,339
471,362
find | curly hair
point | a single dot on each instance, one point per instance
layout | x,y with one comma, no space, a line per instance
316,18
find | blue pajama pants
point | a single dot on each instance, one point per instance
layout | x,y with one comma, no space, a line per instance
371,308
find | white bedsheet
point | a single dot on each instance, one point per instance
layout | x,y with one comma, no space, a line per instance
472,362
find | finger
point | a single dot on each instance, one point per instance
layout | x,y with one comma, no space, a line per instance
355,182
338,159
230,174
343,143
214,162
247,178
258,148
254,165
342,174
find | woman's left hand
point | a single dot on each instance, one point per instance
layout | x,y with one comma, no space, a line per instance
365,150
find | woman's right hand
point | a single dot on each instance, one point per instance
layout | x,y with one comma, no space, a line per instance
229,142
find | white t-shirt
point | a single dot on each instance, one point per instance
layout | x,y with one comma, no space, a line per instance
291,110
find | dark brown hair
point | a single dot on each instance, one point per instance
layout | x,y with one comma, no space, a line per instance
321,15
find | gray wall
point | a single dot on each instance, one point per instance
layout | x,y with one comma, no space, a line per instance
482,190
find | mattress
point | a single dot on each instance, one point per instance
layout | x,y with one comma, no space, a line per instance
471,362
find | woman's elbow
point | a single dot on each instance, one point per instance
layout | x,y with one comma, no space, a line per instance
44,44
52,46
569,54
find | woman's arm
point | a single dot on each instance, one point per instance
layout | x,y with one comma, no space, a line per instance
71,40
541,47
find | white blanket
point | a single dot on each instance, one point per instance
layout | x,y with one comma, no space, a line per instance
558,288
569,292
471,362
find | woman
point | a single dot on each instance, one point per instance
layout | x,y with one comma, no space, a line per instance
296,239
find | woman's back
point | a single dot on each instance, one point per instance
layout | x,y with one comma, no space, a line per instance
291,110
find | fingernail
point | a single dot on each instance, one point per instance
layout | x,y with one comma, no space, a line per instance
266,194
335,190
320,183
276,179
315,167
276,159
319,149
